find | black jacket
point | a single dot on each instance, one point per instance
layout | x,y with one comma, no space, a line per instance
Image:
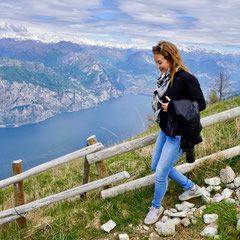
184,114
185,86
186,97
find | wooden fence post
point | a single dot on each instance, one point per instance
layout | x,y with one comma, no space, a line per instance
101,168
86,167
18,191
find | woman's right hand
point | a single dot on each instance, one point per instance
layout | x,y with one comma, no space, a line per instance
165,105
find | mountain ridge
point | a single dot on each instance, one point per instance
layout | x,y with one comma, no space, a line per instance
92,73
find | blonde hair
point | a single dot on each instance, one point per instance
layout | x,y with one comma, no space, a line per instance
170,52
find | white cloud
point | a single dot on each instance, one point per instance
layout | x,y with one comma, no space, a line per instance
203,21
133,23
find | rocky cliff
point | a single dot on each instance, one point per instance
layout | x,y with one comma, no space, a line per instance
31,92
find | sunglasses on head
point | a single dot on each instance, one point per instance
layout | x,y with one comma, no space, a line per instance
156,49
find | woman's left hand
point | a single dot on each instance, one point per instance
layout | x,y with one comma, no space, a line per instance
165,105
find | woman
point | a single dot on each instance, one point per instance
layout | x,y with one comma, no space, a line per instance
174,83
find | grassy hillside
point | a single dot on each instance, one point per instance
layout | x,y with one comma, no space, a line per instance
81,218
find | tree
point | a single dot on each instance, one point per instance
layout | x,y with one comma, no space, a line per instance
212,96
220,88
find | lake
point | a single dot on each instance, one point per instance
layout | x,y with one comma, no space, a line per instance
112,121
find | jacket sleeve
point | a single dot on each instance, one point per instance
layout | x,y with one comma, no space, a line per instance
194,91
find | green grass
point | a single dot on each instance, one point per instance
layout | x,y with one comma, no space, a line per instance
81,218
227,219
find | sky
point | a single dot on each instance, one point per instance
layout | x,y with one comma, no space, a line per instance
214,25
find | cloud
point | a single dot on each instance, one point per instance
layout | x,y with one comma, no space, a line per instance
17,28
13,28
128,23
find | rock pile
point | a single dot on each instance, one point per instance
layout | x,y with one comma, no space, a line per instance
187,213
230,194
184,213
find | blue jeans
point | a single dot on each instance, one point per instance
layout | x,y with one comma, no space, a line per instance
166,153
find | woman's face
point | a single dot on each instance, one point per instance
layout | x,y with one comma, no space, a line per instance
161,63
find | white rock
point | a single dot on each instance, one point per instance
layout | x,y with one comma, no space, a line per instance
158,224
181,208
217,198
154,236
213,181
185,222
123,236
216,237
237,192
227,175
188,204
238,216
193,209
166,229
193,220
206,192
146,228
231,185
167,212
203,207
230,200
189,214
165,218
209,232
176,220
237,182
108,226
178,214
226,193
206,199
174,210
216,188
210,218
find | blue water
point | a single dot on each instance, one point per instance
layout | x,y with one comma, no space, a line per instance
112,122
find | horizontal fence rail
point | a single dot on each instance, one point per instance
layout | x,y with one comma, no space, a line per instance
183,168
20,211
122,148
220,117
150,139
53,163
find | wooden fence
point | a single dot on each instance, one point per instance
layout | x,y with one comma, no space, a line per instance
183,168
95,153
51,164
150,139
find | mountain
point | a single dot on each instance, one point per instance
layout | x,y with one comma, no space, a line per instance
39,80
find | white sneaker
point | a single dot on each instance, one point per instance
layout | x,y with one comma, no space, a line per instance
188,194
153,215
